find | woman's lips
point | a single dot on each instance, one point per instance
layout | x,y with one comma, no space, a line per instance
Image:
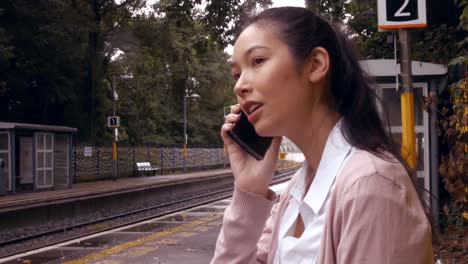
252,117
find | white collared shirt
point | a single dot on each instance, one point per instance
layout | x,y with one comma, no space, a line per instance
313,205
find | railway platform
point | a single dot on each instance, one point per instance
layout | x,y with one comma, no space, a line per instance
83,199
186,237
90,190
183,237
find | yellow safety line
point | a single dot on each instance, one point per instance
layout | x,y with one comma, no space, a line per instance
140,241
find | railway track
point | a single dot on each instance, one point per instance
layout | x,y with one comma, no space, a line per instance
51,237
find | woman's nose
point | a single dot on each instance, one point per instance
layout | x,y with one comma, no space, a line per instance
242,88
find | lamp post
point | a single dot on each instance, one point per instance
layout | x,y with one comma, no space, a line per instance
195,97
115,97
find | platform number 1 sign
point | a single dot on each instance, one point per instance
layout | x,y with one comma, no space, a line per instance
113,121
394,14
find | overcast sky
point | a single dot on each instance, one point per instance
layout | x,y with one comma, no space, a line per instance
277,3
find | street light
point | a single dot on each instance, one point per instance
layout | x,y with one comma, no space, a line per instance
115,97
194,97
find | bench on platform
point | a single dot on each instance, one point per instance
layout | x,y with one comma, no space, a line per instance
145,167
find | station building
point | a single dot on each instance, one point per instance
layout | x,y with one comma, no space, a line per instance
427,77
37,157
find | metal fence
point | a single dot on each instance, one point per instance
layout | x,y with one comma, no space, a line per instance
95,162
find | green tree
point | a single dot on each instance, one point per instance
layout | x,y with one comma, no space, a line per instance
6,53
53,60
106,17
437,43
453,127
172,52
333,10
225,19
41,62
56,67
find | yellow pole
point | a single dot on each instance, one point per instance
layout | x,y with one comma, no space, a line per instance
184,152
408,141
114,150
408,144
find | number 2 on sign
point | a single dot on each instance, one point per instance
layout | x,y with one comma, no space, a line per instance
399,13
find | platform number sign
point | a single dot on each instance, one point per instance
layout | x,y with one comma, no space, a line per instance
394,14
113,121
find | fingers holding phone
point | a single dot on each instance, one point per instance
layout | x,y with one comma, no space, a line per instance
230,120
244,134
252,160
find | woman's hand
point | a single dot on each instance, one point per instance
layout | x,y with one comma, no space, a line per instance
250,175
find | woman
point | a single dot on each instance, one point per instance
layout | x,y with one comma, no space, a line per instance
353,200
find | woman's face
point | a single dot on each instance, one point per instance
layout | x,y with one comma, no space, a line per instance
274,94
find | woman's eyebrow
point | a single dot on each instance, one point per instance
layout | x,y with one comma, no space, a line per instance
233,65
246,54
254,48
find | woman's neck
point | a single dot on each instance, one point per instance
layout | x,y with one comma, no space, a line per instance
311,135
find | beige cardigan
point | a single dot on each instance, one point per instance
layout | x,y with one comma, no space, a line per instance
374,217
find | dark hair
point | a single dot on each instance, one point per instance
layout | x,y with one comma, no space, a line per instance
351,93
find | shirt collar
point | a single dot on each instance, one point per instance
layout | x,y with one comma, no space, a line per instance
335,152
298,187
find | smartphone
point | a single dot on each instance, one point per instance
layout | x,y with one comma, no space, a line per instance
244,134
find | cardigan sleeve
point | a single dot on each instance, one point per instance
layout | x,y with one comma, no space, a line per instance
245,234
381,222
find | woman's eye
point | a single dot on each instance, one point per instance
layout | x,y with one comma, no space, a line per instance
236,76
257,61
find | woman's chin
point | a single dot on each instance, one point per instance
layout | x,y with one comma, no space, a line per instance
265,132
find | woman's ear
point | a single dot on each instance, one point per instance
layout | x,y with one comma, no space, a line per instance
319,65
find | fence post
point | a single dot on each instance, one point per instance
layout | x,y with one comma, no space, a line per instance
173,158
134,161
214,158
98,159
74,161
186,159
147,152
117,173
161,153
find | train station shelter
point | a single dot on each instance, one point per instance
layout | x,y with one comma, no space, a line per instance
427,77
37,157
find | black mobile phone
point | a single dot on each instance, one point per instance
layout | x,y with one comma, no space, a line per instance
244,134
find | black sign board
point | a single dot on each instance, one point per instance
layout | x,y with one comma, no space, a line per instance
402,10
113,121
394,14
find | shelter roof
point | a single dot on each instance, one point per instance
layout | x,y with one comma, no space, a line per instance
7,125
388,67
